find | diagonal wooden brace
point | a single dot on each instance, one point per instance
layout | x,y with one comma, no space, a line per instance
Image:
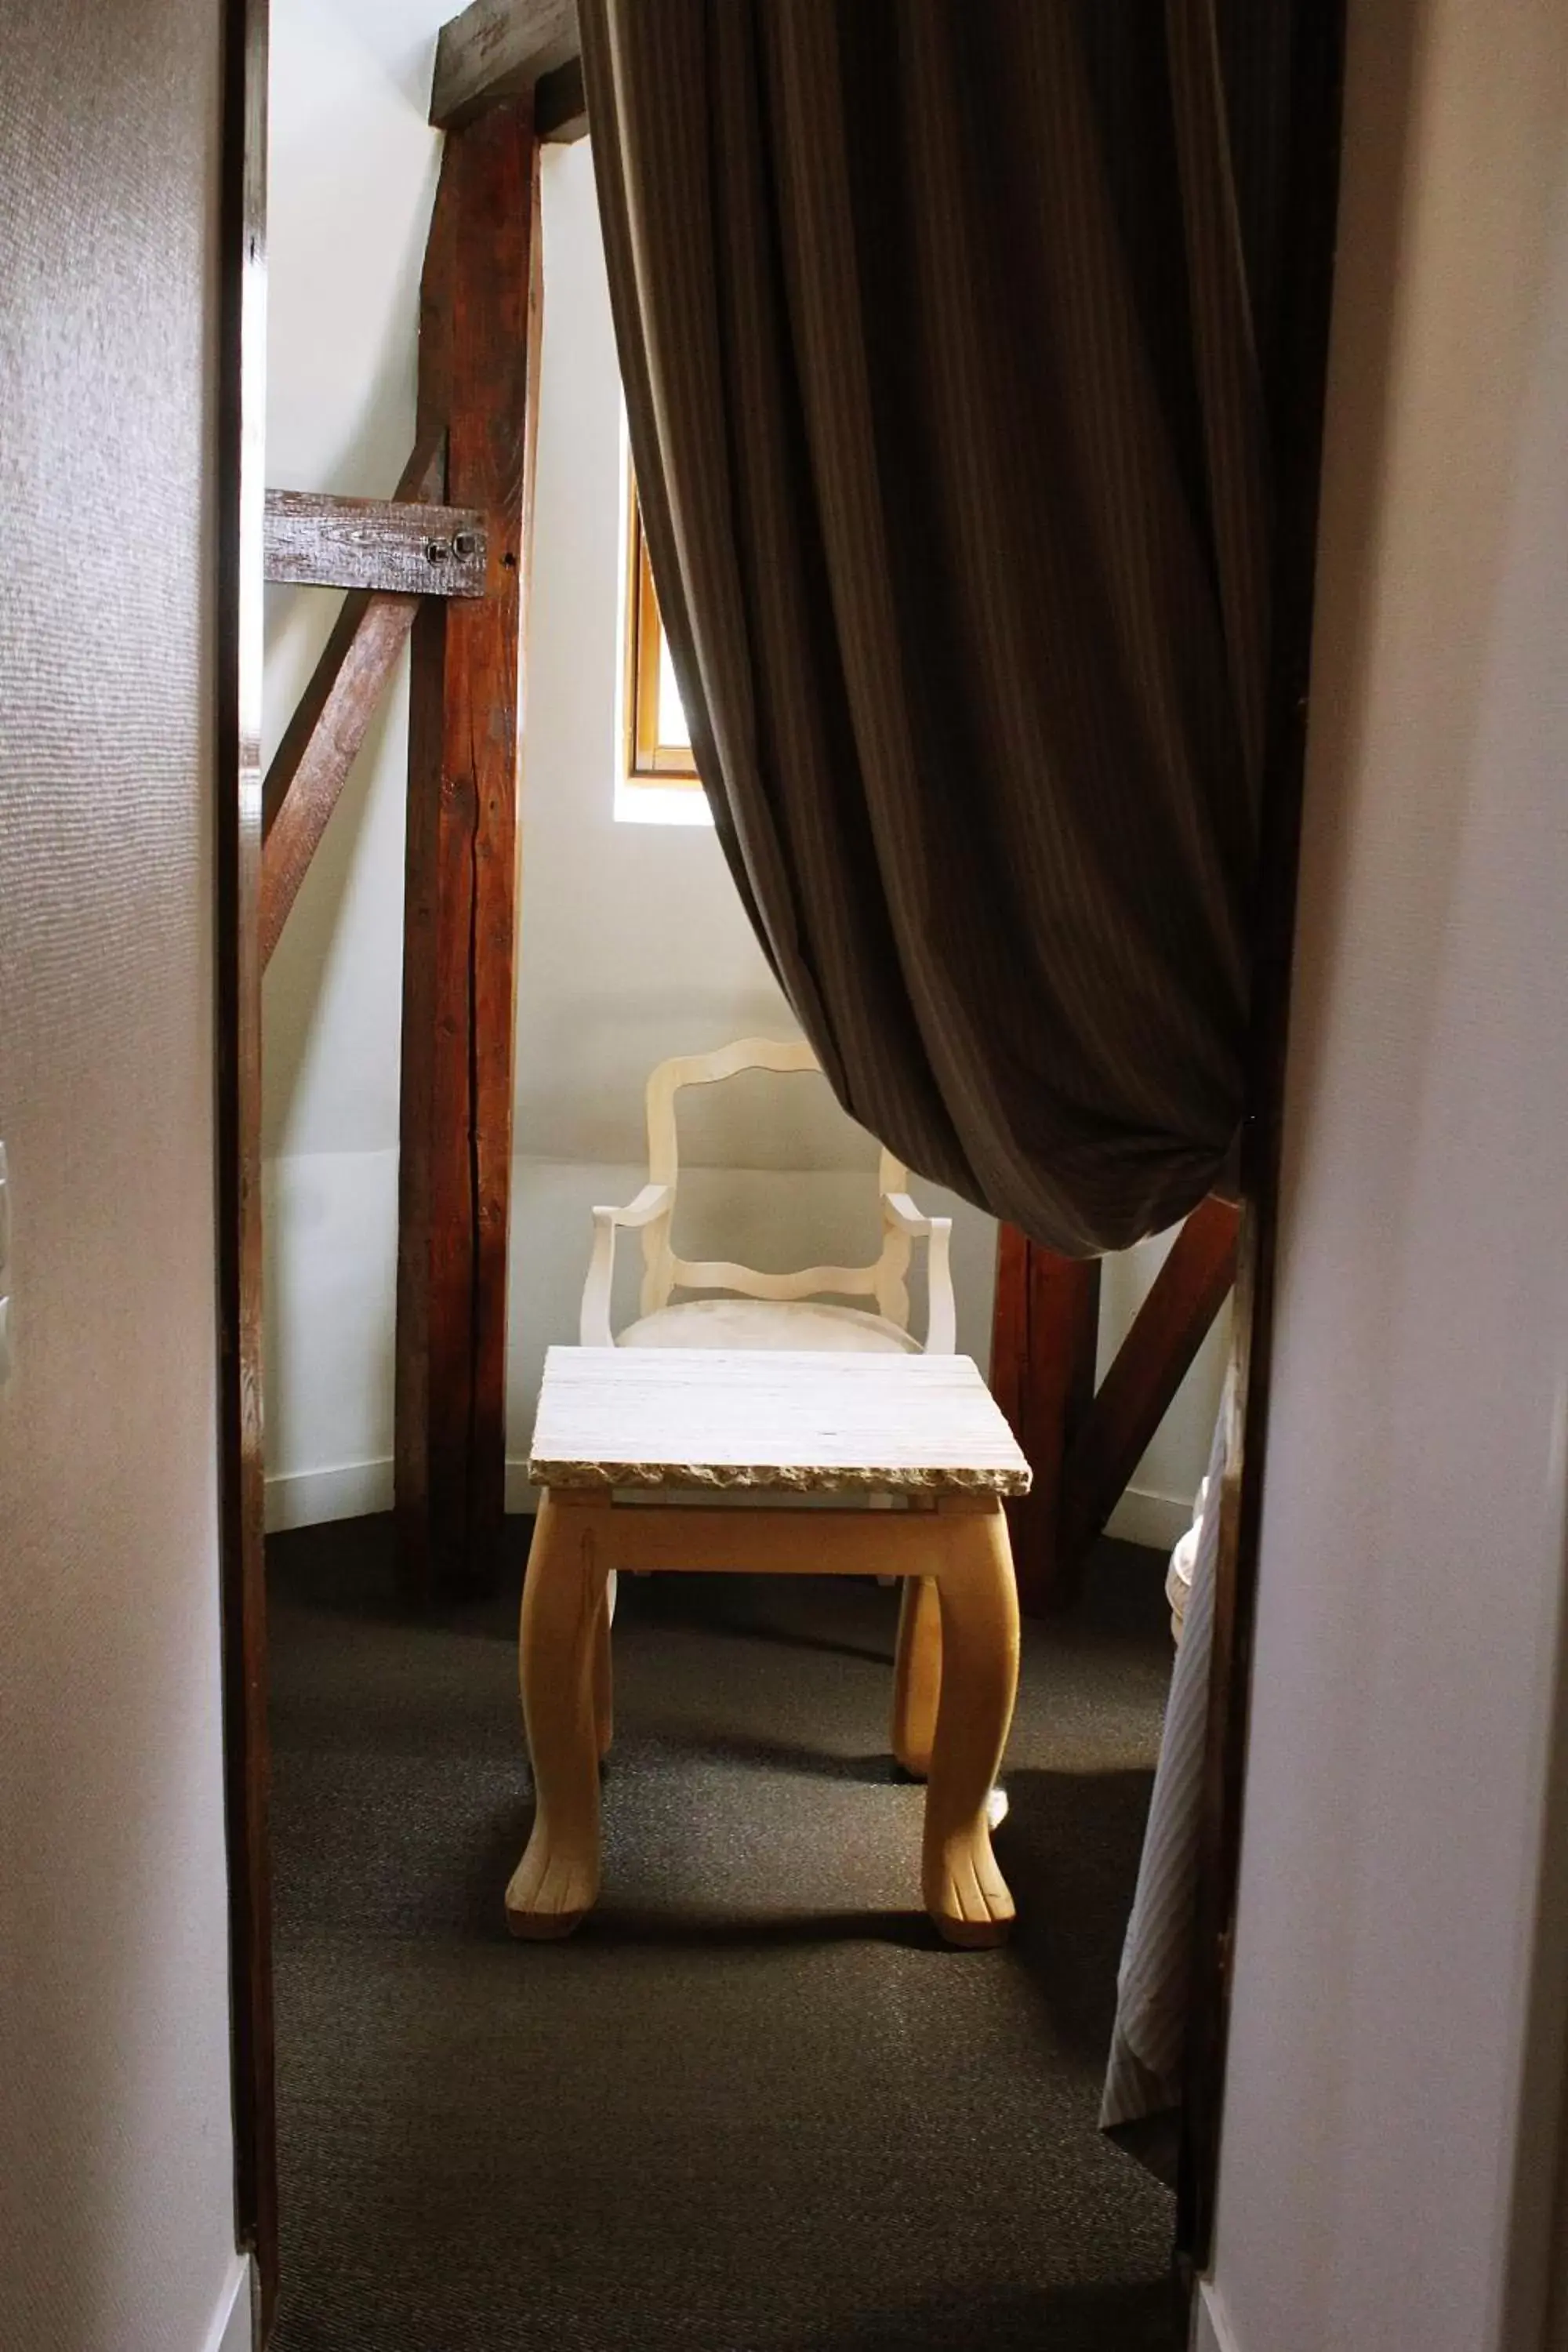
321,740
1084,1445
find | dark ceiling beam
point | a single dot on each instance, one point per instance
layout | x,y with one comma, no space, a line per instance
560,105
498,49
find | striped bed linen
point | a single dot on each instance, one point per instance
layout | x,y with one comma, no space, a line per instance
1141,2106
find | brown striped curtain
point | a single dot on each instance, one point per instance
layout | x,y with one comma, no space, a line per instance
947,334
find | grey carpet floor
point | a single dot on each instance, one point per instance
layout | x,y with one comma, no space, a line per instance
752,2106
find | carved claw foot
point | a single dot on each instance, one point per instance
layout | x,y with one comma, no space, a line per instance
551,1889
966,1893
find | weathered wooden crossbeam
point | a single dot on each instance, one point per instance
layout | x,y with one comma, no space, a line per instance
316,540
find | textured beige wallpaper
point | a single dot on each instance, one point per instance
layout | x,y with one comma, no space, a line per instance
115,2150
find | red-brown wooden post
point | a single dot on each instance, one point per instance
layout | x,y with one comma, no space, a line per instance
478,372
1044,1337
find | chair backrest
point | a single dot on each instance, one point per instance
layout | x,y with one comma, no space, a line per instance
883,1280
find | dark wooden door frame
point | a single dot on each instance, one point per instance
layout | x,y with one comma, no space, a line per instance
241,403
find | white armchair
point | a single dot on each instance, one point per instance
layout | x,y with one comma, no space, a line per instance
750,1309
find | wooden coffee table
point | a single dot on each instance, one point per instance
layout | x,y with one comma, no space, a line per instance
702,1423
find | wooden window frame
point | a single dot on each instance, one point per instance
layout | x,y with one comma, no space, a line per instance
646,759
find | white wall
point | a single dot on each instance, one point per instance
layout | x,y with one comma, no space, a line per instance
116,2138
351,176
1412,1539
633,944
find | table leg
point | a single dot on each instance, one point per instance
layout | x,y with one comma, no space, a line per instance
917,1675
965,1891
603,1671
563,1604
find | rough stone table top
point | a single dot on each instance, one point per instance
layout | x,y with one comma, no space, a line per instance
771,1418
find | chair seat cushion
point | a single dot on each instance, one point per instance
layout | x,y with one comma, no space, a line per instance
767,1323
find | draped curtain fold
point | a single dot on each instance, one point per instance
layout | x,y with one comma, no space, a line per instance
946,336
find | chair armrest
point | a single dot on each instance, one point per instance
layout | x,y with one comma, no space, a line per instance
900,1210
640,1212
941,1319
593,1322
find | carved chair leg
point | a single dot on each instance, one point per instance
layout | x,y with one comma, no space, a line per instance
965,1891
563,1601
917,1675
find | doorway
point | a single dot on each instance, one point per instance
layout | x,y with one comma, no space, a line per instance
348,1569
